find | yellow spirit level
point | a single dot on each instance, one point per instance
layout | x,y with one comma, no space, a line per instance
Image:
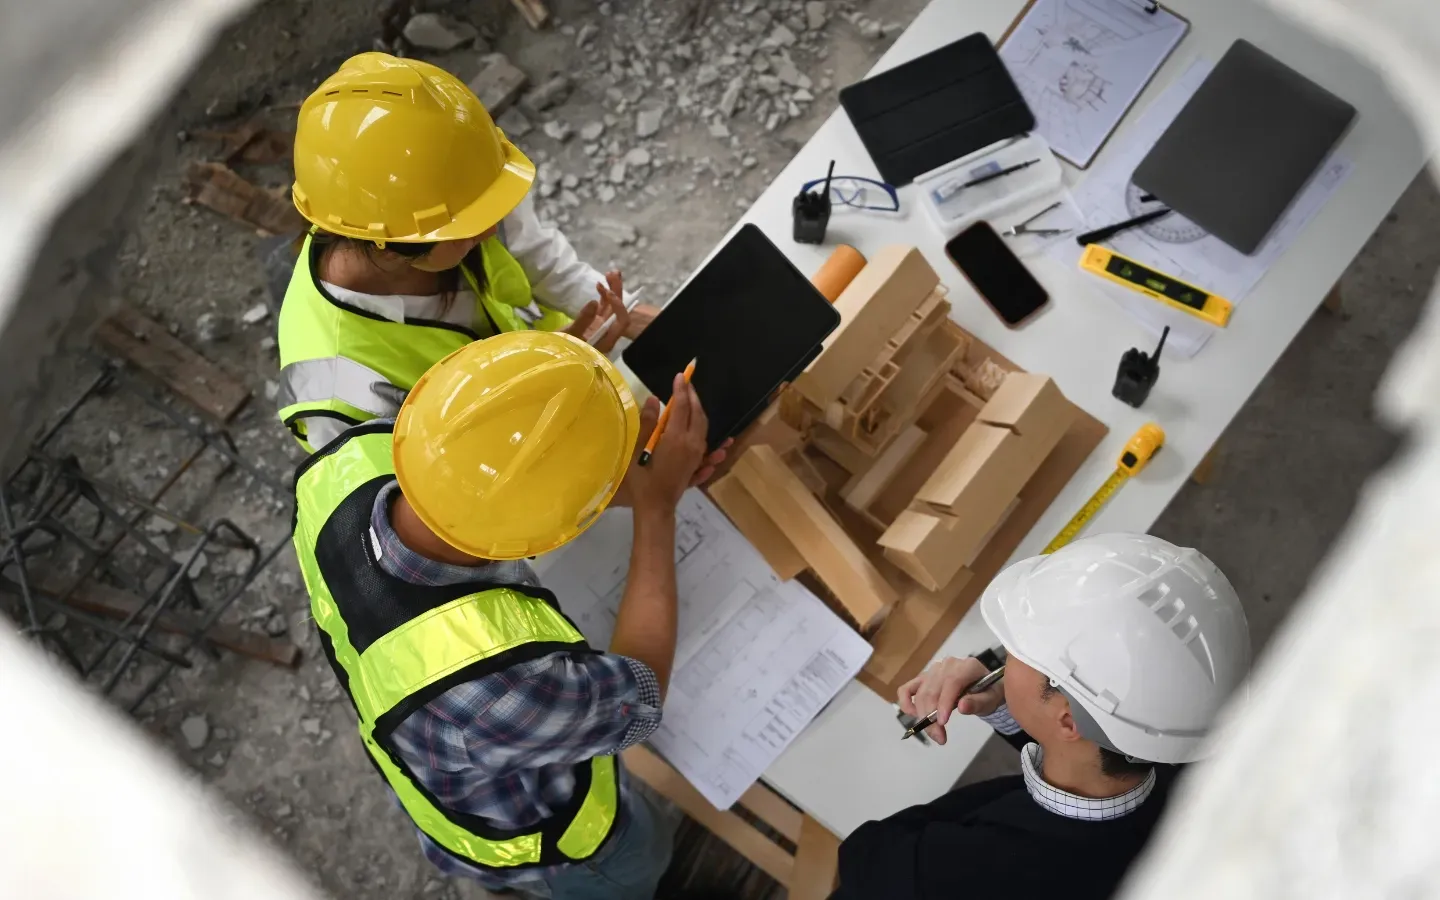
1143,446
1127,272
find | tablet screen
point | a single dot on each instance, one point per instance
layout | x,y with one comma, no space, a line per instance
750,319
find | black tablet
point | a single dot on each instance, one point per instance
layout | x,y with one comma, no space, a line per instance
749,318
938,107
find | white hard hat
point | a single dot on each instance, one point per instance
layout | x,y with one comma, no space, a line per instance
1146,639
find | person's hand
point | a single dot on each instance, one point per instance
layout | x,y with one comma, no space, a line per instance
679,461
640,318
939,689
596,313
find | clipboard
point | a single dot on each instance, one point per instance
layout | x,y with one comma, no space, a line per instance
1070,102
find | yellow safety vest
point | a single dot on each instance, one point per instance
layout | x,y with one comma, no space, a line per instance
347,363
396,646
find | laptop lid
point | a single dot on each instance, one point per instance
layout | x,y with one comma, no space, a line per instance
1244,146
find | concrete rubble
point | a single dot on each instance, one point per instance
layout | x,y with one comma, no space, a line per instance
648,132
432,31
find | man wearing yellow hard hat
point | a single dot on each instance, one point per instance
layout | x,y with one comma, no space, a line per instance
423,241
480,703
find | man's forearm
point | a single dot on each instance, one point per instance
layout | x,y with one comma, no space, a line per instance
645,623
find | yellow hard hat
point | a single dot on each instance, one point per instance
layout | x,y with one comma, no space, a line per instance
391,149
512,446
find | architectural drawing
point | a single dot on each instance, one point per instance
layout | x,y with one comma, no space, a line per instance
756,658
1081,63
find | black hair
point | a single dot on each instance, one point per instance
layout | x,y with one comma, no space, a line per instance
450,281
1114,765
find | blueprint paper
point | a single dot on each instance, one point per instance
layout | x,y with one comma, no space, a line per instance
1080,64
1173,244
756,658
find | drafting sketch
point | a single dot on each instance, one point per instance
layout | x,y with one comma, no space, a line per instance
1173,244
756,658
1080,64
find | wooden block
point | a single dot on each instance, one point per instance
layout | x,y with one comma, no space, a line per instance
829,551
1031,405
730,828
923,545
923,619
872,308
759,529
799,464
830,442
769,428
964,476
114,603
533,12
1014,432
499,84
817,862
862,490
146,344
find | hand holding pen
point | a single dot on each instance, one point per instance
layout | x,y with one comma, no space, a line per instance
949,686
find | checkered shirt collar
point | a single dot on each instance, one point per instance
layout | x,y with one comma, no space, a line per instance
1073,806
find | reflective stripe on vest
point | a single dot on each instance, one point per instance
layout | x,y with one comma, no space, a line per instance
433,639
351,364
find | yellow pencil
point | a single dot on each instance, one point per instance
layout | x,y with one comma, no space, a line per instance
664,417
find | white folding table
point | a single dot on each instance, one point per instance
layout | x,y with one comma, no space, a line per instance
849,766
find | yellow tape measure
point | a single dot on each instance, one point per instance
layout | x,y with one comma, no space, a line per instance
1171,291
1141,448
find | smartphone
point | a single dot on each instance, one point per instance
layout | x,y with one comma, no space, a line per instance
996,273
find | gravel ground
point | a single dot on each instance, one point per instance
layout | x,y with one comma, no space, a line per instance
629,106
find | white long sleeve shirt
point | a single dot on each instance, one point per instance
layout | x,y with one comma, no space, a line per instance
558,278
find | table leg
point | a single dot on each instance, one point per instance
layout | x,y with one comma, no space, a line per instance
1202,472
1334,302
817,856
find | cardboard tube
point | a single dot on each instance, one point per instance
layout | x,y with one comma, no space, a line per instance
838,271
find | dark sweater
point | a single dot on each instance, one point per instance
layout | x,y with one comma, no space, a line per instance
992,839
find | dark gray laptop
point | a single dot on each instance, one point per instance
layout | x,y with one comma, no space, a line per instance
1244,146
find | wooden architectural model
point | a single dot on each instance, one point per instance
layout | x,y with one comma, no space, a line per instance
901,469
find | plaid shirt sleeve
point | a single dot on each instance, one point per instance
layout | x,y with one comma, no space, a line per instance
562,708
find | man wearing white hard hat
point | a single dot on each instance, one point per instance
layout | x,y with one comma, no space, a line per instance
1122,649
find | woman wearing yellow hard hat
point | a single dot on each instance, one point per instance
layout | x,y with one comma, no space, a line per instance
423,241
495,724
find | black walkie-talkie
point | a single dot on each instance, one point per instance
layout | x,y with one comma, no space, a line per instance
1138,373
811,212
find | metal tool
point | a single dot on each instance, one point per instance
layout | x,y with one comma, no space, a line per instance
1024,227
980,686
1140,449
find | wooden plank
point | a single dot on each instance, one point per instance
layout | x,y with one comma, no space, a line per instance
533,12
759,529
218,186
835,558
817,862
104,600
773,809
146,344
730,828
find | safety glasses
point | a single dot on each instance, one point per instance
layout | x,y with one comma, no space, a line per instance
861,193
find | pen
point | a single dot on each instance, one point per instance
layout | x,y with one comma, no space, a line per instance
982,685
631,300
1000,174
1109,231
664,417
